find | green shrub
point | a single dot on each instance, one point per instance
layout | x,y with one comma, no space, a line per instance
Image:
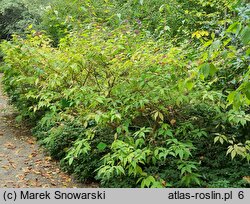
128,110
172,20
15,17
84,166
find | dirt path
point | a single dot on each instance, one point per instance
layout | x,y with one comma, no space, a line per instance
22,162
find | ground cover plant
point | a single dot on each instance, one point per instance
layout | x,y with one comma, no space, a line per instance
138,93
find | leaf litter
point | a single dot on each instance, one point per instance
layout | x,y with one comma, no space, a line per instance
23,164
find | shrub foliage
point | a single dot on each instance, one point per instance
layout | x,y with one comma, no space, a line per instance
121,97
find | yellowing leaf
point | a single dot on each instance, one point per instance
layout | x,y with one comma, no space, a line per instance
172,122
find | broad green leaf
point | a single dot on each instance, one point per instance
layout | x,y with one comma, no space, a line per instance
101,146
205,69
234,27
248,51
247,92
189,85
230,97
216,139
212,69
233,154
215,45
245,35
71,160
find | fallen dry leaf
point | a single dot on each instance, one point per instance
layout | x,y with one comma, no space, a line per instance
38,161
20,177
46,175
37,172
6,167
46,165
45,186
48,158
53,183
8,182
30,141
9,145
247,178
12,163
17,151
27,170
34,154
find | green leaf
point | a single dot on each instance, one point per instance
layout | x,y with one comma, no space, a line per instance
161,116
212,69
245,35
141,2
71,160
189,85
196,180
216,139
208,43
233,154
234,27
161,9
247,90
169,133
230,97
101,146
181,153
215,45
205,69
248,52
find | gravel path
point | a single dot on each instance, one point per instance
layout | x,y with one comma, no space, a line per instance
22,161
